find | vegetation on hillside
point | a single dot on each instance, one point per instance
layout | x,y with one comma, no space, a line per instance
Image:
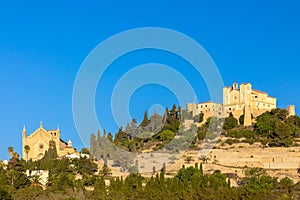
188,183
81,178
273,129
165,133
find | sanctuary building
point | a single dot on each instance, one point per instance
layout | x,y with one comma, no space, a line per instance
239,101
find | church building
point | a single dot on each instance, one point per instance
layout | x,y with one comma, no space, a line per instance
38,143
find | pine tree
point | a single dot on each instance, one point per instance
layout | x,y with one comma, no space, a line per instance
100,189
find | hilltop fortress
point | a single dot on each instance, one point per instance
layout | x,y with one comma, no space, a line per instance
241,101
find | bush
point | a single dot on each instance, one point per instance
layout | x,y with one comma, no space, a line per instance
230,122
229,141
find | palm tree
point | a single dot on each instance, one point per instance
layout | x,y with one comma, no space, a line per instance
203,158
27,149
35,180
16,155
189,159
11,151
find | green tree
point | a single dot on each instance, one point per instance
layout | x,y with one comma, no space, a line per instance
61,175
100,189
110,137
85,151
16,174
199,118
282,130
26,149
145,121
11,151
105,171
133,182
4,187
164,168
189,159
50,155
265,124
241,119
166,136
84,166
230,122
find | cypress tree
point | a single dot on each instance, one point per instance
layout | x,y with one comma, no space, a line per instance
110,137
145,121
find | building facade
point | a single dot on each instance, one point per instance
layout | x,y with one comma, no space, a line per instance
238,100
209,109
243,100
38,142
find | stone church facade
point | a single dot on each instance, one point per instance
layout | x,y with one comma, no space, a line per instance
38,141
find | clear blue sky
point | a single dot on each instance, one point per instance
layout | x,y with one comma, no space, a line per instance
42,46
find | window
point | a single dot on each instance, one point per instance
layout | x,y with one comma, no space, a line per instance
41,146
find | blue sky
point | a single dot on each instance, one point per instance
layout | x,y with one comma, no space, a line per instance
42,46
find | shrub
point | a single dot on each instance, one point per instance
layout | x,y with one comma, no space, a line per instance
229,141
